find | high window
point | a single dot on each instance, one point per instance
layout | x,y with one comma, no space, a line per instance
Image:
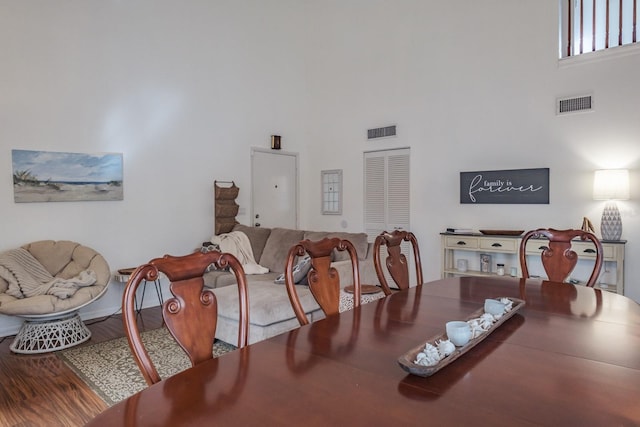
592,25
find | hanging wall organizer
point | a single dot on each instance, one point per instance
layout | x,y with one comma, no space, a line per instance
226,207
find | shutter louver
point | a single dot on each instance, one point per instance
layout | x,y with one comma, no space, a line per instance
398,188
374,204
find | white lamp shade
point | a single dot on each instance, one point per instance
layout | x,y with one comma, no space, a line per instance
611,184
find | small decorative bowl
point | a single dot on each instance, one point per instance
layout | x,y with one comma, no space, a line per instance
458,332
494,307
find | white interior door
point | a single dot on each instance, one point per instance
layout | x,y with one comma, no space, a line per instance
274,189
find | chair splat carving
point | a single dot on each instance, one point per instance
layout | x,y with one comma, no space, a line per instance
324,280
191,315
396,262
558,258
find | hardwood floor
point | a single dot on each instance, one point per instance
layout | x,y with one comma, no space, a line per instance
42,391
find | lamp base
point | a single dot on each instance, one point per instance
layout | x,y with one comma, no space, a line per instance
611,224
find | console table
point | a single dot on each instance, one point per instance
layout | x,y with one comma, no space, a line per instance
504,249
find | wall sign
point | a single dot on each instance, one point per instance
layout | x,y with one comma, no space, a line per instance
517,186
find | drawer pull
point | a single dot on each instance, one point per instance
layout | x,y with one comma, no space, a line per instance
589,251
543,248
462,243
496,245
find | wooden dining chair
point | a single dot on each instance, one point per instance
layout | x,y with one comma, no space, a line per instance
396,262
324,280
558,259
191,315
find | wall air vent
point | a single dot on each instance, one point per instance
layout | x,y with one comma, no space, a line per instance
574,104
381,132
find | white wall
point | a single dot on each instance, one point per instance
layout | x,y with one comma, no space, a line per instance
184,89
471,86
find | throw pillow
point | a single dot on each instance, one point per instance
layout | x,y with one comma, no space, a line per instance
209,247
300,271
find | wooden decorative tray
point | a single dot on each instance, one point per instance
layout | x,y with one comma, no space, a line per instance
406,361
502,232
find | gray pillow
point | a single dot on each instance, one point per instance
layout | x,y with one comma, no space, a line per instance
300,271
276,250
257,237
209,247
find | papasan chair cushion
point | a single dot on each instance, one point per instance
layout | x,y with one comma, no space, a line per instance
63,260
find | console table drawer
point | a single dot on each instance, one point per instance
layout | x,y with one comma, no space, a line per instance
583,249
499,245
587,249
461,242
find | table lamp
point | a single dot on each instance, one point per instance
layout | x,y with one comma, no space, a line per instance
611,185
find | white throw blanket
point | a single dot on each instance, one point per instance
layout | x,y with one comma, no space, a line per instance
237,243
28,278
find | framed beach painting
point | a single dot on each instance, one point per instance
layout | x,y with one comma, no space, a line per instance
45,176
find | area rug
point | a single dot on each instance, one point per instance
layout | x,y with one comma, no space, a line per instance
109,369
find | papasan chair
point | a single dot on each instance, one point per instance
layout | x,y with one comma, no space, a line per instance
46,283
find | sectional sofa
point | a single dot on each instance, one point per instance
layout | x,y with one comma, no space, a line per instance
270,311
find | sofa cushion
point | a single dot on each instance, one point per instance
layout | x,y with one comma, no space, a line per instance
268,303
257,236
359,241
277,248
214,278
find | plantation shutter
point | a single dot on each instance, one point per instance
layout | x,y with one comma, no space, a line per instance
386,196
398,191
386,191
374,194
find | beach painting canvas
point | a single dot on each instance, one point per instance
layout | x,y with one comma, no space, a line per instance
45,176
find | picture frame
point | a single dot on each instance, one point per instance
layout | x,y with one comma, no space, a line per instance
485,263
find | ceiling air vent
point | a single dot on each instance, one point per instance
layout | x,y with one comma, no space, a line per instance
381,132
575,104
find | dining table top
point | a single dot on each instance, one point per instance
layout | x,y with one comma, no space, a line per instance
570,356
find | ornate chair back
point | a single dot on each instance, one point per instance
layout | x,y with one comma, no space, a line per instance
324,280
396,262
558,259
191,315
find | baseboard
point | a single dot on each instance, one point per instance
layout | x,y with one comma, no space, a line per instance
103,312
9,330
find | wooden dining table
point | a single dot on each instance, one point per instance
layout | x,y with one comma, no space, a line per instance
569,357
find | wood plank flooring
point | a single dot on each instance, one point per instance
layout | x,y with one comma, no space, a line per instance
42,391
